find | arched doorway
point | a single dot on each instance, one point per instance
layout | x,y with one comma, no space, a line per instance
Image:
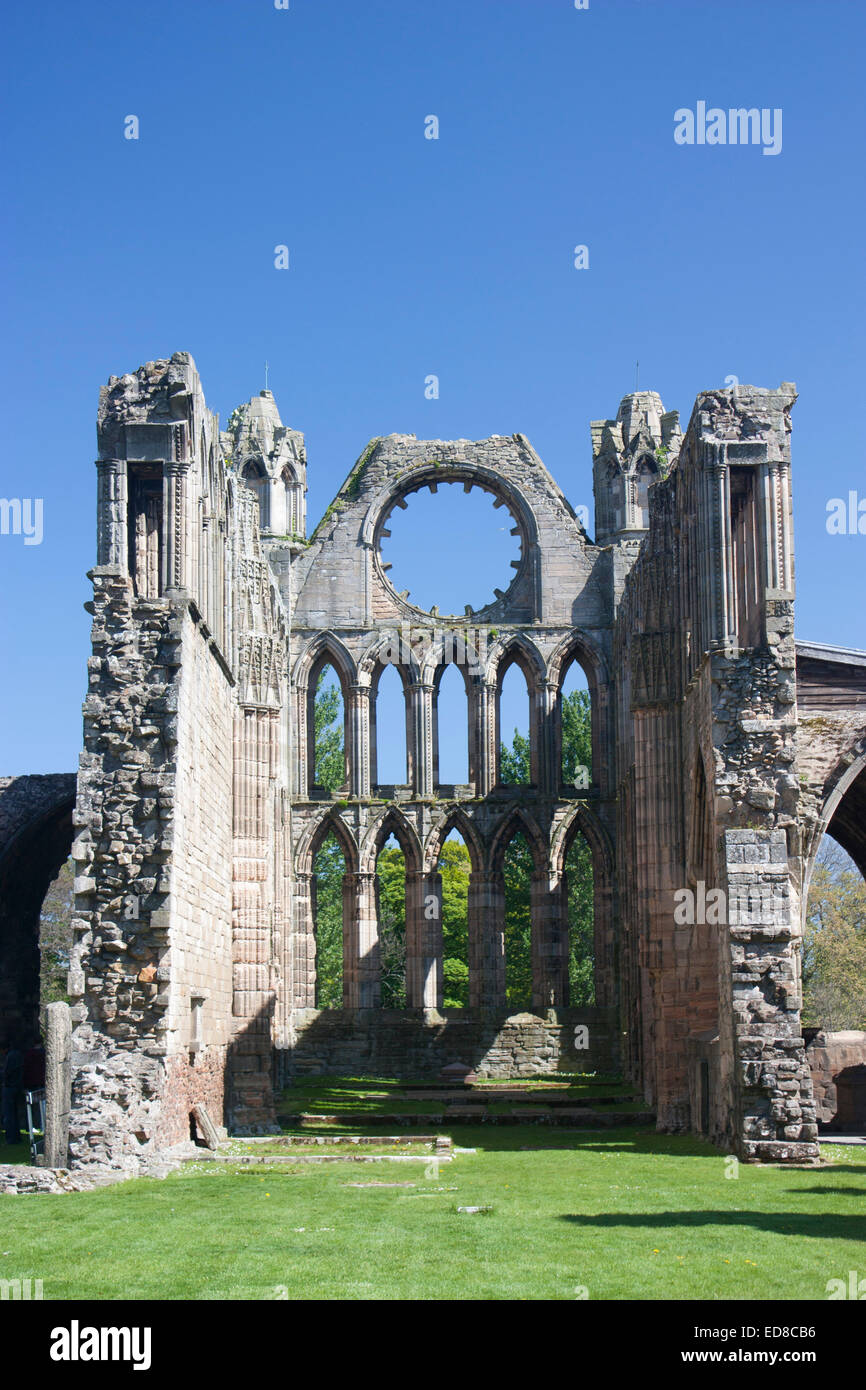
35,839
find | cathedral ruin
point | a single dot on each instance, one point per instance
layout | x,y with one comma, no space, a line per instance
722,751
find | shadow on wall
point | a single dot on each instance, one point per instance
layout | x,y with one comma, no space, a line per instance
251,1075
419,1043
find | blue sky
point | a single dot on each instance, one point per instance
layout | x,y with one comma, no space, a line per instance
411,257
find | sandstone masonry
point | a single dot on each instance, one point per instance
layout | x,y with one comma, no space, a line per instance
197,815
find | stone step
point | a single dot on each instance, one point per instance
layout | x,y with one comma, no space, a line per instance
441,1156
290,1140
577,1118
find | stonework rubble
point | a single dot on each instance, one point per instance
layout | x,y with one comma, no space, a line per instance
198,818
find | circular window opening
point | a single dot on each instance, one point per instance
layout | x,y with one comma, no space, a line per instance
451,549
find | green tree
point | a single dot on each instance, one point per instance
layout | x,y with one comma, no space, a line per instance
576,735
55,937
454,867
834,943
391,887
330,770
514,761
517,872
329,867
518,867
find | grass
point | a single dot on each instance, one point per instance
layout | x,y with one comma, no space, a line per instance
623,1214
280,1149
381,1096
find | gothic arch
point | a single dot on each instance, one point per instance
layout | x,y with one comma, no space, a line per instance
580,647
314,837
254,476
450,649
583,648
520,649
581,817
454,819
843,806
329,646
371,665
391,821
518,820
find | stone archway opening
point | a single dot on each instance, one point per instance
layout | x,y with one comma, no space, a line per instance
327,721
329,868
454,866
579,900
33,856
848,823
833,962
514,732
389,743
517,871
391,918
450,728
575,726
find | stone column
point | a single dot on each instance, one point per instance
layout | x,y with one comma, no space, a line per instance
774,1107
549,941
486,913
423,940
421,758
482,745
724,625
304,943
58,1084
545,700
362,987
253,975
111,526
176,559
301,773
359,741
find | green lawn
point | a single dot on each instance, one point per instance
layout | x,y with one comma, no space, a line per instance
624,1214
368,1098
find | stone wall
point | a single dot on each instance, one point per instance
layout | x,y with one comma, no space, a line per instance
198,817
417,1045
709,794
152,971
828,1054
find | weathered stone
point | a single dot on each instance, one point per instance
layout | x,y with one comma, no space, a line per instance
722,752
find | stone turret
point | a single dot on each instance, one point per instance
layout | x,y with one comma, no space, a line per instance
629,454
271,459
